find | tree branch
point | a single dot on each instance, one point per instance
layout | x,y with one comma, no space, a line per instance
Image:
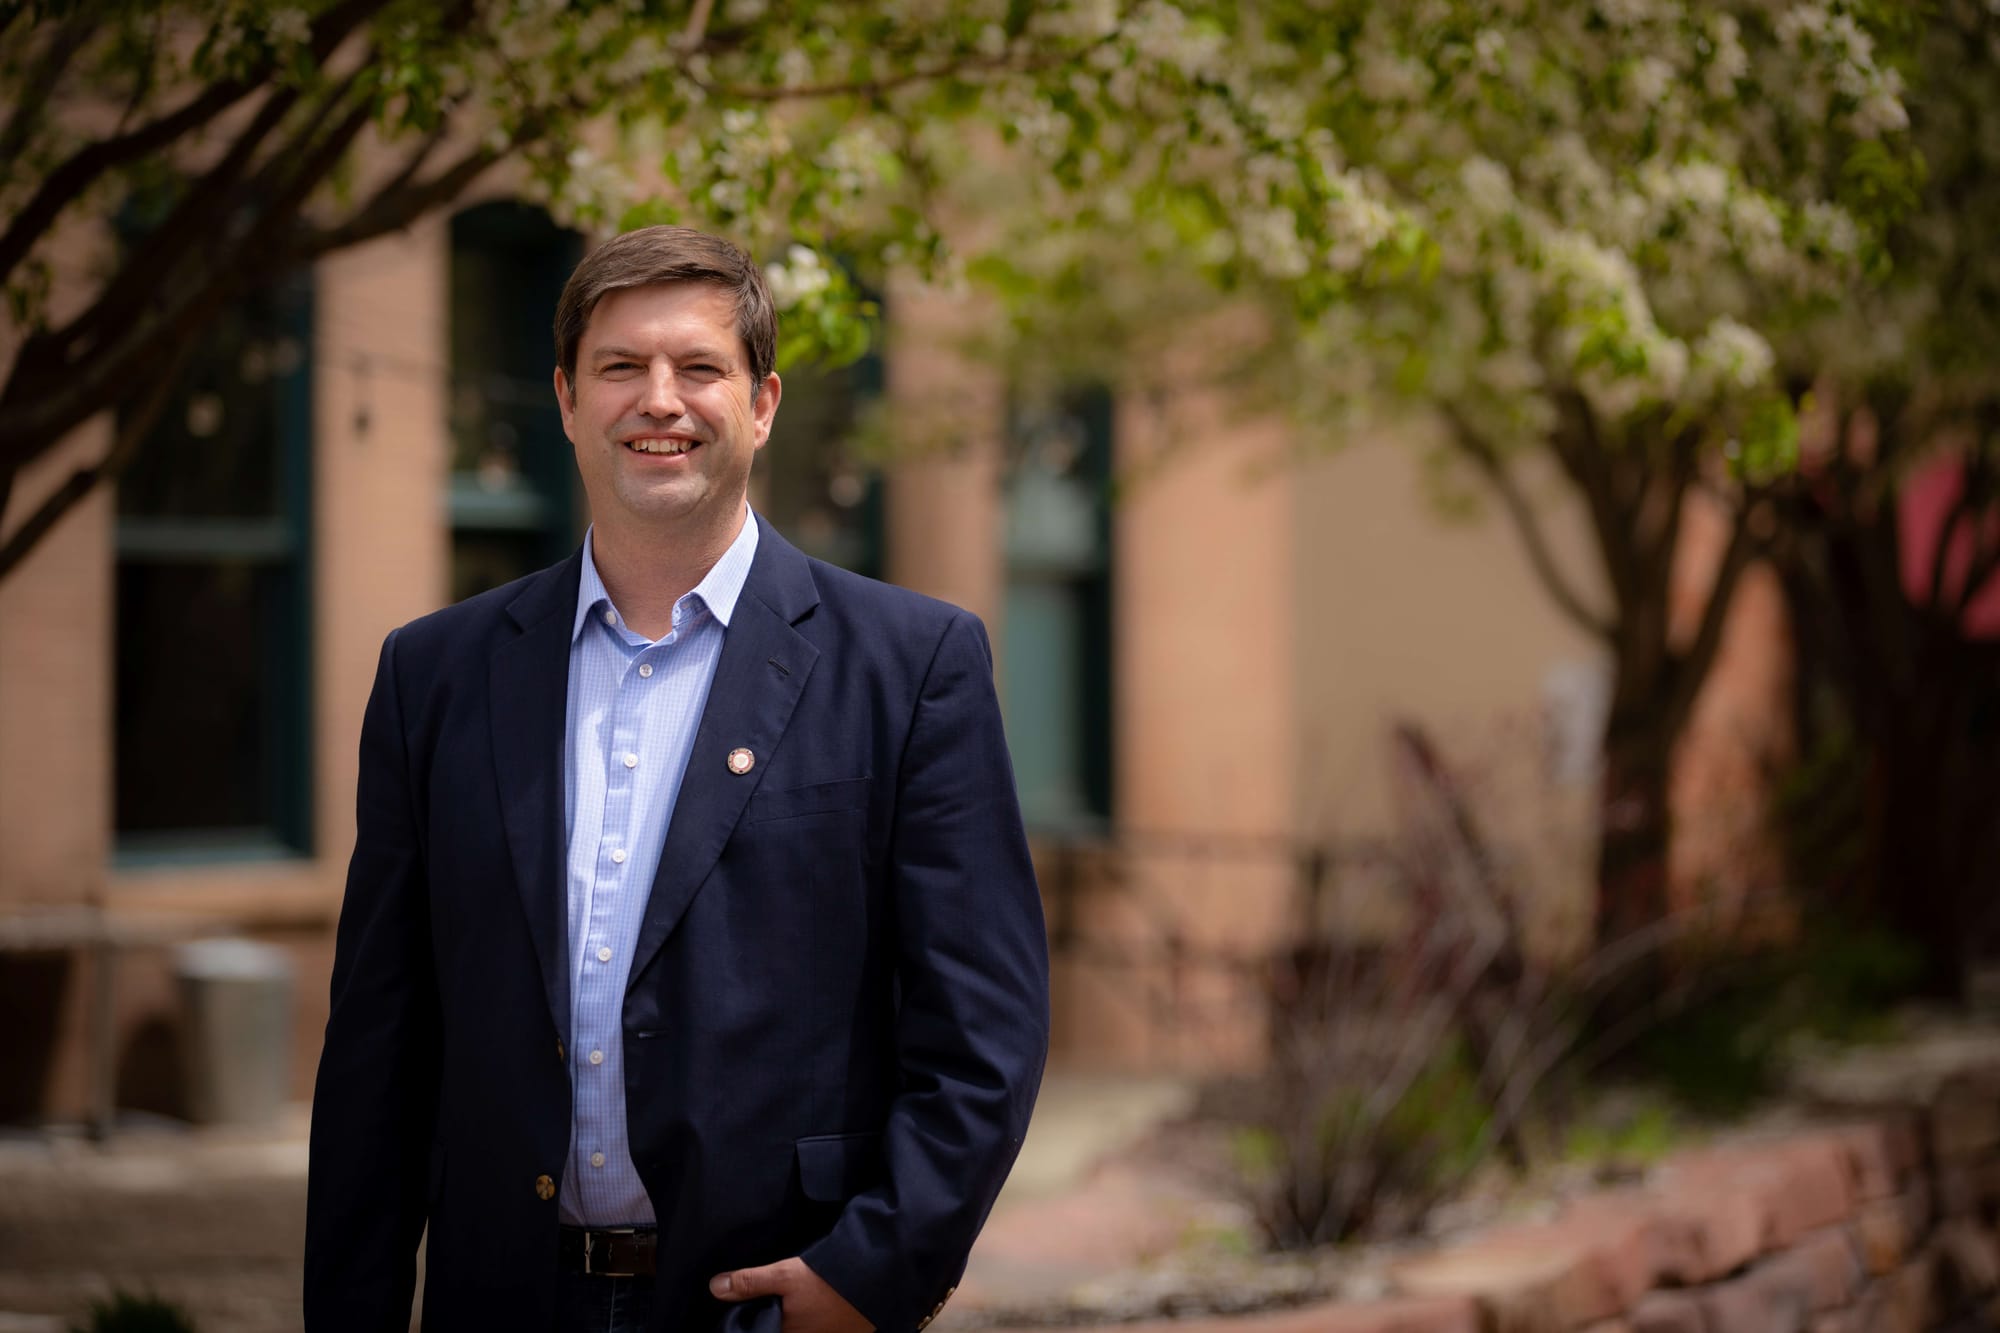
1690,669
137,313
82,168
142,84
48,70
77,487
304,178
1583,460
1528,524
1667,495
1983,524
396,206
1959,514
697,26
195,221
306,156
200,297
1977,575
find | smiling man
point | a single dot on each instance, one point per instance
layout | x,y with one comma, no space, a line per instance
691,973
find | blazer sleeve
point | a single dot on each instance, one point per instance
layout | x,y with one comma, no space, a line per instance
375,1101
972,1029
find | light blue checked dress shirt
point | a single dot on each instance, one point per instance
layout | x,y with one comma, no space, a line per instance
634,707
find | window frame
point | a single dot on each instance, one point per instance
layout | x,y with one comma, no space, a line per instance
1092,584
283,540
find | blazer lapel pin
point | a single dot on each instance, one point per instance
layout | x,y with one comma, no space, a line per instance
741,760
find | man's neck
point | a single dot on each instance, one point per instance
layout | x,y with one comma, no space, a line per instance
646,572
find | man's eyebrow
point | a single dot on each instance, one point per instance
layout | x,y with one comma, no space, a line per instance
598,354
702,354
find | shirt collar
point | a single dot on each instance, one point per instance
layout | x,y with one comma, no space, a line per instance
718,589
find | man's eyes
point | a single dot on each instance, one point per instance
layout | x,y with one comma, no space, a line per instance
698,368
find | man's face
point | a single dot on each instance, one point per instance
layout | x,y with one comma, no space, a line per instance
663,421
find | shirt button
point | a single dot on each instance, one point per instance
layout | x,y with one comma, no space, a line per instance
597,1159
597,1057
645,668
631,761
610,616
604,954
618,857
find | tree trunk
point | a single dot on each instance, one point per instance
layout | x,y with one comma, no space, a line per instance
1633,820
1938,807
1919,702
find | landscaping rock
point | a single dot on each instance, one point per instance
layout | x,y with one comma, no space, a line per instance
1884,1235
1969,1254
1774,1297
1965,1122
1667,1312
1559,1275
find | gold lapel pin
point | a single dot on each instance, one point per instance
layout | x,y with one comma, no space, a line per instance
741,761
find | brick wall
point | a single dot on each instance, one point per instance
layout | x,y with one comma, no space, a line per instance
1877,1216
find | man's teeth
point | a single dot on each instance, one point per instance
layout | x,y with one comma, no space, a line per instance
661,446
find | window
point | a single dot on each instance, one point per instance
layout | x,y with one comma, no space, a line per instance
513,490
213,679
1055,659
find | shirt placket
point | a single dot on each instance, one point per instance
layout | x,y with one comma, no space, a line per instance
602,1056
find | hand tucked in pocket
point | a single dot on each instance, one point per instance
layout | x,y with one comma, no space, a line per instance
810,1305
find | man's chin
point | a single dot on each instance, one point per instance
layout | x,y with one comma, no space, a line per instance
681,502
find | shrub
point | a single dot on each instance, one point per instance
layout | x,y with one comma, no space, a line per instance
124,1312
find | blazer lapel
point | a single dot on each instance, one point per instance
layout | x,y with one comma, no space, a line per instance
530,701
758,680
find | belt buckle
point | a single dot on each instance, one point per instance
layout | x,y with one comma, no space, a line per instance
590,1236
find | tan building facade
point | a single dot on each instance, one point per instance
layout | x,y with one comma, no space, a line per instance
1199,678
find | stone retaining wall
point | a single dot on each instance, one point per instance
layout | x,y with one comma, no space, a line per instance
1878,1216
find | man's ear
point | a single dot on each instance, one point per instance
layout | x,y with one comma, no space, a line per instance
566,402
765,410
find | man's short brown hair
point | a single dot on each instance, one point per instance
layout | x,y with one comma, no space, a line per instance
669,254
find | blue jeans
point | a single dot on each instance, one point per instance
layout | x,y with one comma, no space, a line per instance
590,1304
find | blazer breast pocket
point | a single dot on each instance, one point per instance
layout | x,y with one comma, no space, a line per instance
833,1168
819,798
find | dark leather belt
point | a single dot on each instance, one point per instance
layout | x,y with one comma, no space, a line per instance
607,1252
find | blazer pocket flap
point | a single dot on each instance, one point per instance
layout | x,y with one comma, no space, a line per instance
835,1167
817,799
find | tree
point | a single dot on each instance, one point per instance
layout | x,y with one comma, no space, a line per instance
1597,234
250,138
1902,692
1585,231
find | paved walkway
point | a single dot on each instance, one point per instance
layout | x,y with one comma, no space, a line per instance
214,1219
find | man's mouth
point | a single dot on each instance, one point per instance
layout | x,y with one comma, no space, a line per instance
662,444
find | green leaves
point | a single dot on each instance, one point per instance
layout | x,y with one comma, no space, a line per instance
823,317
1767,446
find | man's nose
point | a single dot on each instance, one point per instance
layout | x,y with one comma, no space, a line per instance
662,397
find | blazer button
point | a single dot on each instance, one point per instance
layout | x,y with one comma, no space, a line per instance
545,1188
561,1058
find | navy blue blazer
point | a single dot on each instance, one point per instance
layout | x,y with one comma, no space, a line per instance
836,1017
